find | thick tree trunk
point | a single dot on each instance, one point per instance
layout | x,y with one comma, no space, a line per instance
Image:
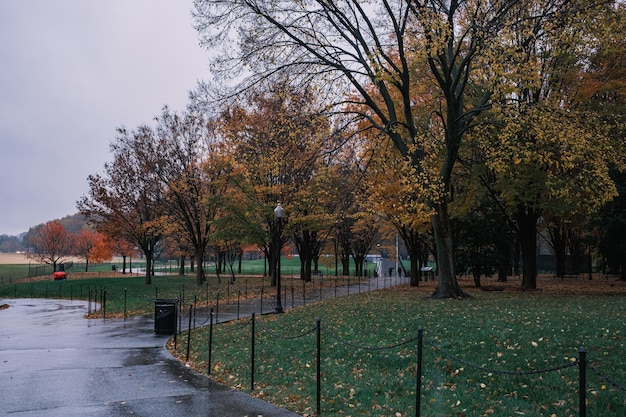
148,254
412,241
447,285
308,272
199,257
181,266
527,232
304,241
345,265
358,262
476,274
415,270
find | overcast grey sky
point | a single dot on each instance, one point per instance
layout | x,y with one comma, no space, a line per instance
71,71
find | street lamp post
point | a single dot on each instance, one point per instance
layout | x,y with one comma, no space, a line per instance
279,212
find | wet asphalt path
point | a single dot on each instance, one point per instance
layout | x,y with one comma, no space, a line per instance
53,362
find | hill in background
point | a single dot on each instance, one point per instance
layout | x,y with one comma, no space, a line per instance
10,244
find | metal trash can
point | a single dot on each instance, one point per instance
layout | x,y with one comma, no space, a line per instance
165,316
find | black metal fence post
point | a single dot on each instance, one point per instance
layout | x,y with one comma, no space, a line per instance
125,299
179,308
177,325
252,358
582,381
104,304
418,382
210,341
318,375
217,306
189,332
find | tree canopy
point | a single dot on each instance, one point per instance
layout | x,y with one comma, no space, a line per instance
427,115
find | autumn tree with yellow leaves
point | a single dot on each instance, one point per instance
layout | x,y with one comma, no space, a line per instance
278,141
550,157
351,46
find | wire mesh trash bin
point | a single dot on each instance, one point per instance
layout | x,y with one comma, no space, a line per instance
165,316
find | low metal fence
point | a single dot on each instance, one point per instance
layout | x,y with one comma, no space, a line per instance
255,325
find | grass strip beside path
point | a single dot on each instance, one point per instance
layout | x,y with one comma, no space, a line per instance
504,331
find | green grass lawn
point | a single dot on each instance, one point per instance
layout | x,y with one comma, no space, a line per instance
500,331
19,273
128,294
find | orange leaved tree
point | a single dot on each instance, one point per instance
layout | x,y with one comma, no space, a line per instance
50,244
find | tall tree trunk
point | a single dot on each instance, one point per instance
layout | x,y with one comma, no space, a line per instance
305,243
345,265
447,285
413,242
149,255
308,272
415,270
345,259
527,231
476,273
199,257
557,236
181,267
358,262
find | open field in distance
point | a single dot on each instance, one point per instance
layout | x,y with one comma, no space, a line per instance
20,258
13,258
